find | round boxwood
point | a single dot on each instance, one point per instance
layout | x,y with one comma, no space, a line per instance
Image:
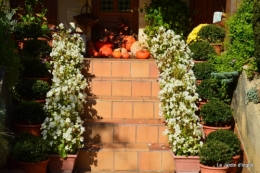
216,113
228,137
215,153
203,70
202,51
212,33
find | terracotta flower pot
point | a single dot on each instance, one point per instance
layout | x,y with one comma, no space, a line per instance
40,167
208,129
32,129
209,169
235,161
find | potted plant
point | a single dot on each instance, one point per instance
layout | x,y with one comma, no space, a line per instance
31,152
216,115
178,98
201,51
28,117
203,70
214,34
36,49
65,101
214,157
193,35
231,139
31,90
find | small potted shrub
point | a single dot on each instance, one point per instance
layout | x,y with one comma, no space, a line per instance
31,152
31,90
216,115
28,116
35,68
201,51
214,156
231,139
36,48
203,70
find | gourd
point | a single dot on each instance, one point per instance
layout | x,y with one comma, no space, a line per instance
116,53
127,42
106,51
142,54
126,55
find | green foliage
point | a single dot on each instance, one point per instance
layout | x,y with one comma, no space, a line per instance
212,34
256,29
201,51
29,112
213,153
30,148
203,70
228,137
213,88
216,113
252,95
31,89
36,48
35,68
169,14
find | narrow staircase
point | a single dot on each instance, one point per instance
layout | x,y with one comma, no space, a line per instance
123,128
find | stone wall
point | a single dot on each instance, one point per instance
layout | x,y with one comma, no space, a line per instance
247,118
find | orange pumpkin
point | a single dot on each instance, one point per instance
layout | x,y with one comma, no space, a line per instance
142,54
126,55
105,51
127,42
97,54
116,54
100,44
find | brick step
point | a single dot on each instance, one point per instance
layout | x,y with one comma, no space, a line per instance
125,157
121,107
125,130
123,86
120,67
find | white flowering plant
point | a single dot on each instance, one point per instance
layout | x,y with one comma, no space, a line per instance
177,93
63,128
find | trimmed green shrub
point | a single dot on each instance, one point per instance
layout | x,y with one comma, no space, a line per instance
201,51
212,33
203,70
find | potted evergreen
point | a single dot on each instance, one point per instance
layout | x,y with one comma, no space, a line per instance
31,152
231,139
28,117
201,51
216,115
203,70
214,157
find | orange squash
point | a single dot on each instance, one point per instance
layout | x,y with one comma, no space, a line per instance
142,54
100,44
127,42
105,51
126,55
116,53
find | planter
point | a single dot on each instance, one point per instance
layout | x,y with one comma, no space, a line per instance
209,169
60,165
45,79
185,164
209,129
233,166
40,167
218,48
32,129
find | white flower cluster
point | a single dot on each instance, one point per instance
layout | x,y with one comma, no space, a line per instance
177,92
64,102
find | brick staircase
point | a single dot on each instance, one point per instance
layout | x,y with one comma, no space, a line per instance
123,128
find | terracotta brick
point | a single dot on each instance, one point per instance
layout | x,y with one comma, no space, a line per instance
143,110
124,133
125,161
121,69
147,134
141,88
149,161
114,147
153,71
102,133
102,161
121,88
139,70
155,89
122,110
101,68
167,161
137,147
101,88
103,109
156,110
162,138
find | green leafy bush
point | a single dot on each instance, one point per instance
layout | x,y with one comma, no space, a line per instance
29,112
30,148
216,113
228,137
256,30
212,33
35,68
201,51
215,153
36,49
203,70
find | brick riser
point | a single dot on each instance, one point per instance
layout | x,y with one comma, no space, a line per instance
123,127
